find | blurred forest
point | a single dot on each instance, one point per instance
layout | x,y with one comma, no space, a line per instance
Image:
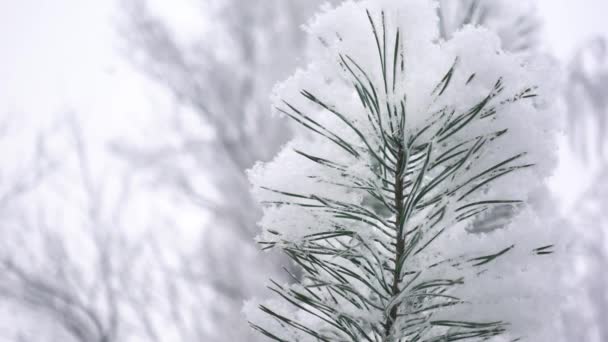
152,238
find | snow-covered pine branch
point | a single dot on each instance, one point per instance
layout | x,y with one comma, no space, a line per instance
409,139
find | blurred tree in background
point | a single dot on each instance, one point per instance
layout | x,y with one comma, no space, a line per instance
41,267
587,104
224,77
586,97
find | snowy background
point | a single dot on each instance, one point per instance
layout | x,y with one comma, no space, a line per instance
124,130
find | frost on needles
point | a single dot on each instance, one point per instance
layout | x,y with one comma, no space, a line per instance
407,140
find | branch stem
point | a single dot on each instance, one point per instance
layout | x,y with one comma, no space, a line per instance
400,239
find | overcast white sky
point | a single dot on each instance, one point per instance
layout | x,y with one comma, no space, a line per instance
568,23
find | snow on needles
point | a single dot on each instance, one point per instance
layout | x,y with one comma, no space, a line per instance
406,140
